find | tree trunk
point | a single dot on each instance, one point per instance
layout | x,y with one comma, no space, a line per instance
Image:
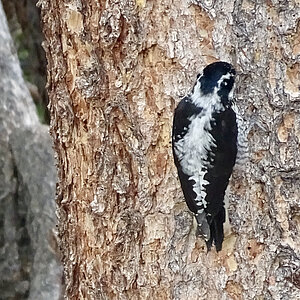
116,71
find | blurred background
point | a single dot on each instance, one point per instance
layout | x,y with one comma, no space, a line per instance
23,19
29,261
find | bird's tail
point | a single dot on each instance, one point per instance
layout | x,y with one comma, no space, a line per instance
203,228
211,230
217,230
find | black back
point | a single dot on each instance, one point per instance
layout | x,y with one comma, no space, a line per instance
224,131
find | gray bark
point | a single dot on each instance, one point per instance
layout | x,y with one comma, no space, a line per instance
29,264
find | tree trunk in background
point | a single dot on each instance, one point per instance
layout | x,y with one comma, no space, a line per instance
29,262
24,23
116,71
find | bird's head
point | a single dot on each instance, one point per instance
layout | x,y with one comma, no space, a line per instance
217,77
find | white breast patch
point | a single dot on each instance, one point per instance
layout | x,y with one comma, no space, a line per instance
192,150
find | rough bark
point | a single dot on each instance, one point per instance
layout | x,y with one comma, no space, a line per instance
29,263
116,71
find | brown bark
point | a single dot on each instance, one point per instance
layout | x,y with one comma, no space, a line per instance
116,71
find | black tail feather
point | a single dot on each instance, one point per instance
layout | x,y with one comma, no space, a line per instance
219,234
217,231
210,241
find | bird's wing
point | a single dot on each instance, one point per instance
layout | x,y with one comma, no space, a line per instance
183,113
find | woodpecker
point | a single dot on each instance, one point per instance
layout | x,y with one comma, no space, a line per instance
204,142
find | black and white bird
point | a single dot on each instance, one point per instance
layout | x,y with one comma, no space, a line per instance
204,141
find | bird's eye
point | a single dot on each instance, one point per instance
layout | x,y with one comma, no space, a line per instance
225,83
